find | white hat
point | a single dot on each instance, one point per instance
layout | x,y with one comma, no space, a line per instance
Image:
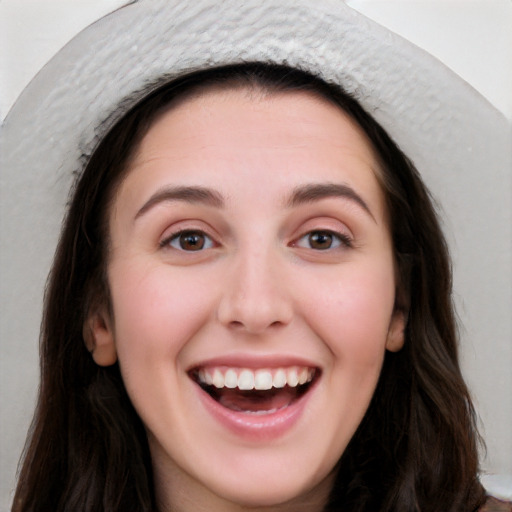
460,143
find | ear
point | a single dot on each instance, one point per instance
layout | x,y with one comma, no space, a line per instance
98,335
395,338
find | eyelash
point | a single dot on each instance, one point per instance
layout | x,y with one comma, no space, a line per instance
342,240
176,237
339,240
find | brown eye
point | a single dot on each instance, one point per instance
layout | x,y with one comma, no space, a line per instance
191,241
324,240
320,240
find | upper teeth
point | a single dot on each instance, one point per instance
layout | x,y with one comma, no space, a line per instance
246,379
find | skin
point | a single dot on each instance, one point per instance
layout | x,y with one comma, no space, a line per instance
258,289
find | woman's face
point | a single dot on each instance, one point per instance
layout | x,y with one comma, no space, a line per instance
250,248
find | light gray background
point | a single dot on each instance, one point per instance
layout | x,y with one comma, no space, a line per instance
473,37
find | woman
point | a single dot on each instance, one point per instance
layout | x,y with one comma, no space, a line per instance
226,244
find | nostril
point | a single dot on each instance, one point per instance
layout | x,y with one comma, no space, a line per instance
254,327
237,324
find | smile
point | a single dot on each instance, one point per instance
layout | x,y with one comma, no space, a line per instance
246,379
263,391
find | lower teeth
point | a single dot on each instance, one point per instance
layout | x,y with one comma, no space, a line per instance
258,413
255,402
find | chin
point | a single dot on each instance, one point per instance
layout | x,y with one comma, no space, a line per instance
273,487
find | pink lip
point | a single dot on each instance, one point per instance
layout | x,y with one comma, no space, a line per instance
256,427
255,362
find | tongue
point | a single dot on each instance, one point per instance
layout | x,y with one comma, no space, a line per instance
256,401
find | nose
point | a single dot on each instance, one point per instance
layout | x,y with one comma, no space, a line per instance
254,297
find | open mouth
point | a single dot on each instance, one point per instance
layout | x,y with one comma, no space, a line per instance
261,391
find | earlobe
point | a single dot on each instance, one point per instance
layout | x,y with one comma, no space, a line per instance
99,338
395,338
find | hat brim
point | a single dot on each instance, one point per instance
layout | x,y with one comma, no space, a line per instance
459,142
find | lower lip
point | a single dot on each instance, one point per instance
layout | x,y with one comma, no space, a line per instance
256,427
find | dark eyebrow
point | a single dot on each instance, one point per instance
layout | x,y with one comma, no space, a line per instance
315,192
200,195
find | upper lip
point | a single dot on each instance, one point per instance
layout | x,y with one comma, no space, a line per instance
255,362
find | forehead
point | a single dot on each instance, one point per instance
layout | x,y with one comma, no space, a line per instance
244,109
240,132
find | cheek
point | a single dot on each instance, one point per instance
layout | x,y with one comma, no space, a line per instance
352,312
156,311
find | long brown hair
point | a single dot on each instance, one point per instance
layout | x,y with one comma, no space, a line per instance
416,448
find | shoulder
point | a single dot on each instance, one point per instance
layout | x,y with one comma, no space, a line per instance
495,505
